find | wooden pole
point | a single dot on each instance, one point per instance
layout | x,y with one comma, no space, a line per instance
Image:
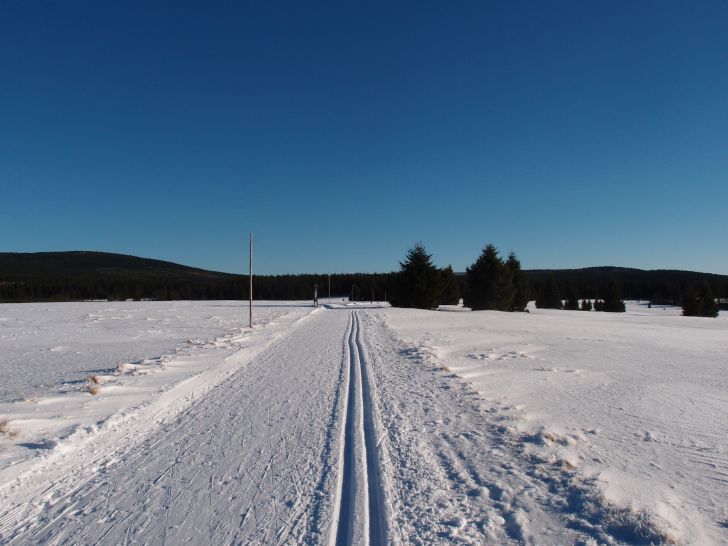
250,283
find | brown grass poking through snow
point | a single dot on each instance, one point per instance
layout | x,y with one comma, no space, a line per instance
92,386
5,428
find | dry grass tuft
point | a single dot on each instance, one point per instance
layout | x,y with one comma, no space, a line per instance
93,384
5,428
567,464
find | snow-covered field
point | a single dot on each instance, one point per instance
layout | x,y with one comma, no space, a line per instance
638,402
53,354
360,424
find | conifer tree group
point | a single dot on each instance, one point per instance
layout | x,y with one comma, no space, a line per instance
613,300
450,289
549,297
700,304
495,284
492,283
572,301
421,285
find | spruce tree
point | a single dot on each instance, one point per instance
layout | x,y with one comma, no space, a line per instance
490,285
521,289
586,305
691,304
450,287
700,304
549,297
572,301
708,306
418,283
613,300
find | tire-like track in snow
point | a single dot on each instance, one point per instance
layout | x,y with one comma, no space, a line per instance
361,515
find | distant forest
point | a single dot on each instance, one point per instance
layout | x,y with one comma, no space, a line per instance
75,276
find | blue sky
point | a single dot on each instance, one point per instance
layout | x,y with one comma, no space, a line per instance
574,133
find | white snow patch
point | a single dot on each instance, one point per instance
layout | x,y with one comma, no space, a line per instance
633,404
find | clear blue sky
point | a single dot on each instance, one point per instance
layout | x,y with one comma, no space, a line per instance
575,133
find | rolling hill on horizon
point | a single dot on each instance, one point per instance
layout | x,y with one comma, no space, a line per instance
76,275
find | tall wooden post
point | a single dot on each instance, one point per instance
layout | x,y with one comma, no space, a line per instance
250,283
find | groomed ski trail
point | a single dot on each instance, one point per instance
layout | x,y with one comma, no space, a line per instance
361,517
254,461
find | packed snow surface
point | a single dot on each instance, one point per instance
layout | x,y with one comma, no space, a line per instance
173,422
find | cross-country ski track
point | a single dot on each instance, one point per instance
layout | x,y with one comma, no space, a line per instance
361,518
337,433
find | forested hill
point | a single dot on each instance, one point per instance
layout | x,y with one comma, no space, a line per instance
64,276
659,285
72,276
83,264
80,275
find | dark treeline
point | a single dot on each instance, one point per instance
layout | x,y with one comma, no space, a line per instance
661,287
357,286
73,276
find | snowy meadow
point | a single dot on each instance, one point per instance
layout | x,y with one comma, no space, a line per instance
68,370
617,424
636,403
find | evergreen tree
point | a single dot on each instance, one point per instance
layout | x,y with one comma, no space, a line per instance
700,304
572,301
450,287
586,305
418,283
549,297
490,284
521,289
690,303
355,293
613,300
709,308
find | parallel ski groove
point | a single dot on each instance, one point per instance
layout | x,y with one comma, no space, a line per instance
361,514
347,489
377,519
